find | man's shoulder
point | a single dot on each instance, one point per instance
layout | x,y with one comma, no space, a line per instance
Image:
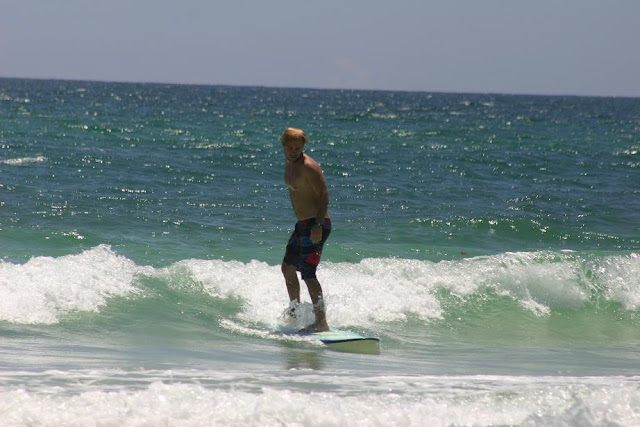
310,163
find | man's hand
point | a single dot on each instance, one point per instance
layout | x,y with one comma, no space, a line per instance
316,233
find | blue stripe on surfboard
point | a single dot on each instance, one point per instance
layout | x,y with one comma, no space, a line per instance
336,336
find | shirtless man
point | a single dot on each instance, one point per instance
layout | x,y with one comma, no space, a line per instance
310,200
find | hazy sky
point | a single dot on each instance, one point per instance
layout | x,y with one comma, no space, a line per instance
579,47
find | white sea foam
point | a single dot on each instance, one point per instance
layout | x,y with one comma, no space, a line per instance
382,401
44,289
620,276
23,160
382,290
357,294
268,334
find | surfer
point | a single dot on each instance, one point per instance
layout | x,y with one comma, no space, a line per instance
310,201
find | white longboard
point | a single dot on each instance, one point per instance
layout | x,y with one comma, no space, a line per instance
347,341
335,339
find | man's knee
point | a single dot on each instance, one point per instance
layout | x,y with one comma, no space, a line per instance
288,270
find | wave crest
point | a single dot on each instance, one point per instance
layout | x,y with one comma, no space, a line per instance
44,289
373,291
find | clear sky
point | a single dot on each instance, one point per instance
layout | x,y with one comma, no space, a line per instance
575,47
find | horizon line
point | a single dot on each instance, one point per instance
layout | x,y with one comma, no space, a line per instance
443,92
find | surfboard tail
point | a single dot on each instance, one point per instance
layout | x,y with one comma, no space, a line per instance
349,342
362,346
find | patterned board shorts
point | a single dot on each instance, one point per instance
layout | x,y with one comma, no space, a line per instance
302,252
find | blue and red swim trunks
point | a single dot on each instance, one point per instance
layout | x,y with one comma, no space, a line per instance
301,252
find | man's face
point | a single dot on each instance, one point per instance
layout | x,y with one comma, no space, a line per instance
292,150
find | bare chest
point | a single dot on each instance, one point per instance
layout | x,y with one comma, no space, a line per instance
294,178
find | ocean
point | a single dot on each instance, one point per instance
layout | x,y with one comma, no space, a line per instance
491,241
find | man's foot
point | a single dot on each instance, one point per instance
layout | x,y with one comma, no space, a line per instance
314,327
290,314
321,327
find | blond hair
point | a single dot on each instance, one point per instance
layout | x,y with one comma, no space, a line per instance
294,134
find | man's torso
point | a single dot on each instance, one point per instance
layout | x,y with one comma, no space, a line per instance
304,197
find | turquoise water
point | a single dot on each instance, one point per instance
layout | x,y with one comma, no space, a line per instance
490,241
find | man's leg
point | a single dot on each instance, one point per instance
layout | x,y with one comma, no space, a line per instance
291,279
315,292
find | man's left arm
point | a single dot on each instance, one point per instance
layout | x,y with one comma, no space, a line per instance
319,186
321,194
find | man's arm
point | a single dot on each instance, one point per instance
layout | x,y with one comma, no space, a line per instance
319,187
